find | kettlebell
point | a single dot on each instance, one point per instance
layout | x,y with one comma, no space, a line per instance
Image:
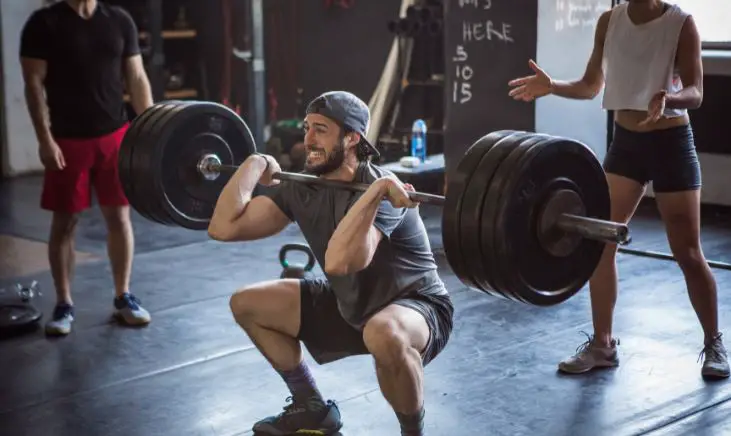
295,270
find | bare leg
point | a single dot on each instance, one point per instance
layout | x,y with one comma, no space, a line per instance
626,195
395,337
680,212
269,313
120,245
61,254
601,351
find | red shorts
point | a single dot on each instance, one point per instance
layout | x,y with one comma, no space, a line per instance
89,162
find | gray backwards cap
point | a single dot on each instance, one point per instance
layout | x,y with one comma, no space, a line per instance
347,110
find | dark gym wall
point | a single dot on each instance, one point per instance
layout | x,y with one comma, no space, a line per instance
308,46
711,120
713,137
316,48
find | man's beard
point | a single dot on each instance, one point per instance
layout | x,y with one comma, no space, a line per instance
333,161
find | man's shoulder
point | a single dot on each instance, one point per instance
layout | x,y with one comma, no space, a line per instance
116,10
44,16
369,172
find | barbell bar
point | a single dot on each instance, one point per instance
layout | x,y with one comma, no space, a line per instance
526,215
210,168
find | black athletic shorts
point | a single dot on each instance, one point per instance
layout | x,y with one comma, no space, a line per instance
666,157
328,337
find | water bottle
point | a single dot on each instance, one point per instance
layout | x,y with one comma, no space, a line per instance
418,140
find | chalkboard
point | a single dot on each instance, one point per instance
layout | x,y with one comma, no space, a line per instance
487,43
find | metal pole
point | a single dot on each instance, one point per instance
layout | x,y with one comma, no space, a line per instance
667,256
257,73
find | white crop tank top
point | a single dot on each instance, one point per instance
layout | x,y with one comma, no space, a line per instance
639,60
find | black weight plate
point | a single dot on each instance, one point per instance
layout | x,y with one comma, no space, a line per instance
18,317
456,185
480,264
471,202
489,231
495,232
198,129
126,151
135,140
532,272
147,168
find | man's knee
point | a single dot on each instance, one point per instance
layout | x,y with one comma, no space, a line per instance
387,339
64,224
273,304
117,218
243,303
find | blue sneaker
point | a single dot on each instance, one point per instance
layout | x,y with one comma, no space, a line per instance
60,323
128,309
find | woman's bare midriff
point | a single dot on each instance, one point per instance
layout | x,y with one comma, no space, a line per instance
631,120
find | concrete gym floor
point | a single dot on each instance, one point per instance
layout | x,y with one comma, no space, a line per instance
194,372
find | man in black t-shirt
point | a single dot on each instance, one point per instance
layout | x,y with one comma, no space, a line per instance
76,56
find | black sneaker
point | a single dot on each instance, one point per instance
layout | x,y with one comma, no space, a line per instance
310,417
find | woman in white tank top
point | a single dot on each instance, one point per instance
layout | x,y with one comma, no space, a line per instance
647,56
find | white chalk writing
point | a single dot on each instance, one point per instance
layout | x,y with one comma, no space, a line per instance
461,86
482,29
484,4
486,31
579,13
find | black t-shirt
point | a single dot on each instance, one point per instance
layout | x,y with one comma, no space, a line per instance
85,57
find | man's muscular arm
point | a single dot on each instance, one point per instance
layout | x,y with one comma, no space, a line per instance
135,76
137,84
238,216
34,55
690,66
34,74
354,242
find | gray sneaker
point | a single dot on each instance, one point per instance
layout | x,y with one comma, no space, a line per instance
715,364
589,356
60,323
129,310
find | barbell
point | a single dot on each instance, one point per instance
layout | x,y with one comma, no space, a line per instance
525,216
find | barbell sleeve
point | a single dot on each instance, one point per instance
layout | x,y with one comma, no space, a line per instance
596,229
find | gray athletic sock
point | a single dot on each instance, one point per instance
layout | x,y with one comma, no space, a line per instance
301,383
